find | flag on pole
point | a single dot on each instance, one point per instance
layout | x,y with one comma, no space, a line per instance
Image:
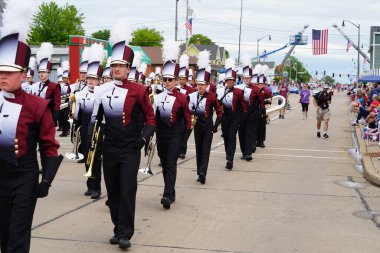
320,38
189,25
349,44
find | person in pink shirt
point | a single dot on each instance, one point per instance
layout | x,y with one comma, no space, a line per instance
283,90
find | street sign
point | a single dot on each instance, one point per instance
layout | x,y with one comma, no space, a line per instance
285,73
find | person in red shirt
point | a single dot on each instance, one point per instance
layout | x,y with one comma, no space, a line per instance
364,112
283,90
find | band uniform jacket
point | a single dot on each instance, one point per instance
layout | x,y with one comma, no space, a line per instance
25,120
202,106
232,100
122,103
187,89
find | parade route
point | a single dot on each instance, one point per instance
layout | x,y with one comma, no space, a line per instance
299,194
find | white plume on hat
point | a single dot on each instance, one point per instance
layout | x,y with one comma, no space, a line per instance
157,71
137,59
190,72
45,51
170,50
32,63
59,71
257,69
65,65
184,61
203,59
246,60
142,68
230,63
264,70
96,53
17,18
85,54
221,77
121,30
151,75
208,68
108,61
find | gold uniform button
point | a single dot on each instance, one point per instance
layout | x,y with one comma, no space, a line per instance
16,140
16,146
16,152
123,121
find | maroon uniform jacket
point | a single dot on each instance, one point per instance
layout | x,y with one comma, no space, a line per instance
202,106
50,91
211,88
25,120
122,103
264,94
232,99
185,89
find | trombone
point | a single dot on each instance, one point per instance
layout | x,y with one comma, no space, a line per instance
75,138
92,150
150,153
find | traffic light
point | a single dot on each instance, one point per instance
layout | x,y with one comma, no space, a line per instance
333,75
348,75
340,75
316,73
324,72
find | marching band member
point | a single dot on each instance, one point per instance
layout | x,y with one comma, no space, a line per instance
157,82
79,85
84,100
173,120
202,105
121,102
248,122
133,75
186,89
28,85
265,95
142,70
25,120
46,88
232,100
107,72
65,92
190,79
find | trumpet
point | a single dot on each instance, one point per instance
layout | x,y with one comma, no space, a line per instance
92,150
75,138
151,98
73,104
150,153
193,120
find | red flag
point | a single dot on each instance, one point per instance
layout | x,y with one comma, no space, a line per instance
349,44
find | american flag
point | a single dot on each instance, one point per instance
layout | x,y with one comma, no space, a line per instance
349,44
189,25
320,38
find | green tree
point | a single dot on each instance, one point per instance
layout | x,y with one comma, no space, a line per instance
328,79
54,24
146,37
202,39
101,34
296,70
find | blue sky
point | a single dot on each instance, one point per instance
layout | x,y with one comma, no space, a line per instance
219,20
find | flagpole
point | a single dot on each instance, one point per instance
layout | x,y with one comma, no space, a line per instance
241,14
187,19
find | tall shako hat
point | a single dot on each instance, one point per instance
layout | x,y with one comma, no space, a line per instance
121,34
263,74
44,57
96,55
107,69
66,69
230,69
203,74
84,63
183,65
247,65
190,76
157,71
14,52
255,73
32,65
142,70
59,74
133,73
170,52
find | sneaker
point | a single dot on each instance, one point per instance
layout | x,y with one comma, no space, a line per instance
325,136
319,134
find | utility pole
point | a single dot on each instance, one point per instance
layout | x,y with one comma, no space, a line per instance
176,20
241,15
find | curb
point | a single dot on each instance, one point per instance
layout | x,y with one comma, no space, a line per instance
369,171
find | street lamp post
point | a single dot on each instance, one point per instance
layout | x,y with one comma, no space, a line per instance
257,45
358,65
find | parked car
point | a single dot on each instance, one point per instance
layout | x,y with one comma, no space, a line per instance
294,89
274,89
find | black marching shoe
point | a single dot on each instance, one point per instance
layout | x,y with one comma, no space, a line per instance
319,134
124,243
202,178
96,194
165,202
254,150
182,156
242,157
88,192
248,158
229,165
63,135
114,240
262,145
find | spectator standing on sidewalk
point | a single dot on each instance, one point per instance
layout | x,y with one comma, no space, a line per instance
304,100
322,100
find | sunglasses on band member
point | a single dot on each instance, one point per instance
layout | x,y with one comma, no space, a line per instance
167,79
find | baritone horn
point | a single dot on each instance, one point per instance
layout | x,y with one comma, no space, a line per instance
92,149
271,109
75,138
150,153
